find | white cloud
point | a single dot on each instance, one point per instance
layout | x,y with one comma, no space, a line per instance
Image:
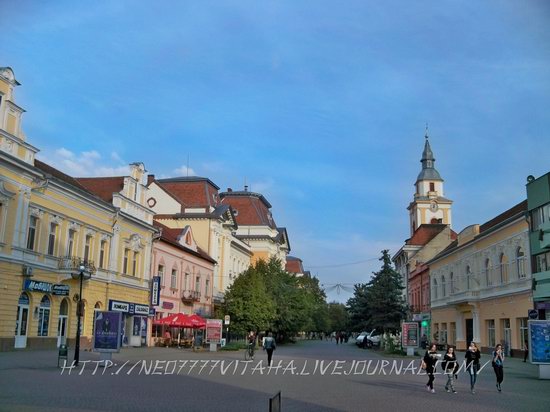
184,171
83,164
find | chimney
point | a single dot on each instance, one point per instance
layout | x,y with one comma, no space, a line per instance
229,189
150,179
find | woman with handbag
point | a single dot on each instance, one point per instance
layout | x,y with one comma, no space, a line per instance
428,363
472,364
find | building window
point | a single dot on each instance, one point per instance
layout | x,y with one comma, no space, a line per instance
31,235
539,216
51,239
174,279
44,316
160,273
468,277
542,262
207,287
523,332
70,242
87,245
503,268
491,337
198,284
135,259
443,286
187,286
435,289
102,249
520,263
432,187
125,261
452,283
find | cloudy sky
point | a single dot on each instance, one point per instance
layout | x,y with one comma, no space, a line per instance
319,105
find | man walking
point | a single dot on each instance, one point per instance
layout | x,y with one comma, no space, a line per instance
269,346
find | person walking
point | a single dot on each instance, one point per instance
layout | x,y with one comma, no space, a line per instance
472,364
498,365
450,366
430,360
269,346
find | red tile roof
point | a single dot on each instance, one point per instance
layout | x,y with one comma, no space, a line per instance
104,187
425,233
171,236
192,191
251,209
294,265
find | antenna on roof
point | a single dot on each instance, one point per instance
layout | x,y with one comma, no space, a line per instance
426,134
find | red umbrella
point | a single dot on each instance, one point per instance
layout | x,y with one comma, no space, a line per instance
177,320
197,321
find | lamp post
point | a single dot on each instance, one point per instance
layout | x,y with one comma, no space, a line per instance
83,274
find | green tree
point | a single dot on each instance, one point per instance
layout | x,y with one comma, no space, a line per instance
338,317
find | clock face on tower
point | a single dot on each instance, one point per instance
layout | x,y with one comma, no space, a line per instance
434,207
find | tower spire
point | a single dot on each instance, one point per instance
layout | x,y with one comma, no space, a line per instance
428,171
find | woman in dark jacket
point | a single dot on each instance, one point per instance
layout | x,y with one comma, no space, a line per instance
430,359
472,364
450,366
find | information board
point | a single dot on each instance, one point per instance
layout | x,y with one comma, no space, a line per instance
107,331
409,334
539,341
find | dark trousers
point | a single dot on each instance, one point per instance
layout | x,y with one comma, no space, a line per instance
431,379
499,372
269,355
526,355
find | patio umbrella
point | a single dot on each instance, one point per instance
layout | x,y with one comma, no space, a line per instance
197,321
177,320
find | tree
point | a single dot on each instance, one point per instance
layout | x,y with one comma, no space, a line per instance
338,317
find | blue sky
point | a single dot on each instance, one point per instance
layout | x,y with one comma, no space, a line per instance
319,105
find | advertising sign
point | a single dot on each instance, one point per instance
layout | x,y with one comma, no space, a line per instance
539,341
46,287
226,319
107,331
129,308
409,335
155,291
214,330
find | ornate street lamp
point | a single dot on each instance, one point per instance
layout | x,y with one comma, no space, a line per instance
84,273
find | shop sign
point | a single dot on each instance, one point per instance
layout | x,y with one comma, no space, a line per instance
46,287
107,331
155,291
167,305
129,308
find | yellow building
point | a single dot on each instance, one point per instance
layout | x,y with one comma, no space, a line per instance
51,224
481,285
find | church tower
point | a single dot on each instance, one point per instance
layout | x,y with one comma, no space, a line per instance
429,205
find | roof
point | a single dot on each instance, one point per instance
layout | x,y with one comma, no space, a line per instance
171,236
104,187
428,171
294,265
59,175
505,217
425,233
250,209
192,191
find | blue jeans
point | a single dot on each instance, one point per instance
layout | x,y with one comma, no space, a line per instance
473,376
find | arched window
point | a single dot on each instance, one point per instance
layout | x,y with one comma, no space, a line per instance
44,316
435,289
64,308
520,263
443,286
488,277
452,281
503,268
468,277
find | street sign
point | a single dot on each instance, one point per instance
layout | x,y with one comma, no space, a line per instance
226,320
533,314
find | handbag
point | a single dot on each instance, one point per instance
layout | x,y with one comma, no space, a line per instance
423,365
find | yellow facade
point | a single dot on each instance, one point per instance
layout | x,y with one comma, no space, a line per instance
49,226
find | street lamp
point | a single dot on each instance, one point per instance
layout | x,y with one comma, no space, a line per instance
84,273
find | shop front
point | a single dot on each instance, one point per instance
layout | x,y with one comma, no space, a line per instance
134,321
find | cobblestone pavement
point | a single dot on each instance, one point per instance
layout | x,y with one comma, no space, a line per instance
311,375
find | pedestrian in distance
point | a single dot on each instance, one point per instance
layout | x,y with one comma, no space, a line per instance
269,346
498,365
526,351
473,357
430,360
450,367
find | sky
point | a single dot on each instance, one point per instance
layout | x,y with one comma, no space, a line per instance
319,105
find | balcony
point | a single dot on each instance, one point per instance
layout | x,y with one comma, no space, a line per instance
71,264
189,296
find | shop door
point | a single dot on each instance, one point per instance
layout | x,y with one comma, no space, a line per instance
507,336
21,326
62,331
469,332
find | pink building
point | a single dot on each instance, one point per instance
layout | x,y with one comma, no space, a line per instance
186,273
